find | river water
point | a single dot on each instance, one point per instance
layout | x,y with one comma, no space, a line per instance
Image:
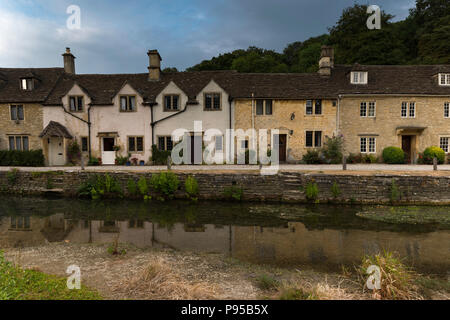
321,236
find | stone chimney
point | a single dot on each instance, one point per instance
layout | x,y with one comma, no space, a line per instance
326,62
154,68
69,62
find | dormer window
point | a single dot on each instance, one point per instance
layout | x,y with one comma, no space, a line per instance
444,79
27,84
358,77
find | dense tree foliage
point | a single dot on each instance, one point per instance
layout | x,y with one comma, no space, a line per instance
422,38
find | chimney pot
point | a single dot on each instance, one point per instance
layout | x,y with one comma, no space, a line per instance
69,61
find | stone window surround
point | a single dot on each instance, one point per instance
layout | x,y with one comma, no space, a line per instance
313,106
367,109
135,144
21,136
212,101
165,109
76,103
447,110
356,76
87,144
165,142
367,144
23,112
264,107
408,109
448,142
314,136
127,96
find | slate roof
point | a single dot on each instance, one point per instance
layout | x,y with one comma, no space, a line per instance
55,129
45,80
53,83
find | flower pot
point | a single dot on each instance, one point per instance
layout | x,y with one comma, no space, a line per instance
142,162
128,163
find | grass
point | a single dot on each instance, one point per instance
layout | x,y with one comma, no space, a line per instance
19,284
397,281
266,282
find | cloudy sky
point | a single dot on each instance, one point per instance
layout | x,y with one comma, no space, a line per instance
115,35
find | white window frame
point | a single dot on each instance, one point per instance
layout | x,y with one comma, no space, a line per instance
359,77
447,110
406,107
366,106
372,103
367,144
363,109
444,79
414,110
448,141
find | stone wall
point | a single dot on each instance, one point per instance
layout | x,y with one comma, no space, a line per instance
285,186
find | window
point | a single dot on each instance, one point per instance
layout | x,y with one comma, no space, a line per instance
127,103
84,144
212,101
244,144
263,107
367,145
17,112
412,110
165,143
27,84
358,77
135,144
444,144
365,111
171,102
135,223
371,109
20,223
318,107
219,143
309,107
76,103
18,143
313,138
447,110
444,79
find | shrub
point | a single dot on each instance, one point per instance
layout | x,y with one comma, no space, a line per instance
121,161
98,187
94,161
332,149
143,188
335,191
312,157
433,152
397,281
166,183
159,157
73,152
393,155
31,158
131,187
12,176
191,187
312,191
233,193
266,282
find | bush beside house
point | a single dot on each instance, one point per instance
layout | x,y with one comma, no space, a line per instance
31,158
432,152
393,155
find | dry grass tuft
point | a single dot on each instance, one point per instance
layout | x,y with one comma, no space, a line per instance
397,281
159,281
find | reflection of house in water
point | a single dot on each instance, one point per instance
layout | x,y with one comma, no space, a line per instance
18,231
297,244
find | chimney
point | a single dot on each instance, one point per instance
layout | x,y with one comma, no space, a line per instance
69,62
326,62
154,69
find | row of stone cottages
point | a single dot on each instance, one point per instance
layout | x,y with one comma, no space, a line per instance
371,106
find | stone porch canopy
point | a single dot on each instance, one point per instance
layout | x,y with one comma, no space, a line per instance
55,129
411,130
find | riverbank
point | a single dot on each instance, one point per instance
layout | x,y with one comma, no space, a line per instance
169,274
369,187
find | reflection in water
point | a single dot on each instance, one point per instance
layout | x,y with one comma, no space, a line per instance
272,234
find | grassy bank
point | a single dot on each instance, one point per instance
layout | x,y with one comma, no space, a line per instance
22,284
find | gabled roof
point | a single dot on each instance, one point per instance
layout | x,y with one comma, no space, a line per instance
10,90
55,129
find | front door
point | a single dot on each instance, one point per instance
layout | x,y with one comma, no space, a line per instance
282,147
108,153
56,151
196,145
406,147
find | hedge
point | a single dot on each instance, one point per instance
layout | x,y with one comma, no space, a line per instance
432,152
16,158
393,155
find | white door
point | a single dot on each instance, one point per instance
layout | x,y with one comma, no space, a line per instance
56,151
108,153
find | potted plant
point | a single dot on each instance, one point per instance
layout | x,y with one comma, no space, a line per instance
128,163
116,148
134,161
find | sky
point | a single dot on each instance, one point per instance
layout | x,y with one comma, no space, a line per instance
115,35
